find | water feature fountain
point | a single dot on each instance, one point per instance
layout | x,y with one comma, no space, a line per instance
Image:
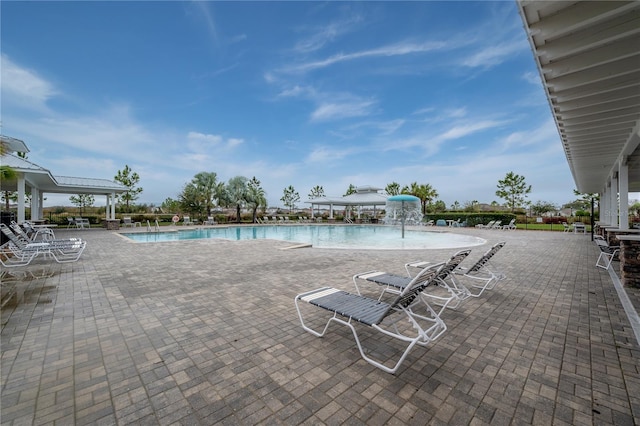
402,209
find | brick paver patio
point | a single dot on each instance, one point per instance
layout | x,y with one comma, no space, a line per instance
204,332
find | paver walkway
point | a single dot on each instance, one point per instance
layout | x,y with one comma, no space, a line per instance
206,332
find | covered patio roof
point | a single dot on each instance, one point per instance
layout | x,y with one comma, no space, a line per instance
41,180
588,56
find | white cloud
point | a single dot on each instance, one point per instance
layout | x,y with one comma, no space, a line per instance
23,87
397,49
493,55
331,111
233,142
466,129
203,139
326,155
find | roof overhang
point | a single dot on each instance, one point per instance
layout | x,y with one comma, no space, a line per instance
588,57
13,145
42,179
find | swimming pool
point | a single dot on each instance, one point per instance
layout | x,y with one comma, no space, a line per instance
368,237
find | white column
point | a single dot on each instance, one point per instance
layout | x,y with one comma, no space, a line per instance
605,205
41,205
36,207
21,198
623,183
614,200
113,205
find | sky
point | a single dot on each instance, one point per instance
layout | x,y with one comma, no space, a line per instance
306,94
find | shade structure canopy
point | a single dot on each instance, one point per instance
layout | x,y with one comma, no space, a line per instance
403,197
365,196
34,180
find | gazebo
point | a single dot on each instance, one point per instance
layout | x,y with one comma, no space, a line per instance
40,181
365,196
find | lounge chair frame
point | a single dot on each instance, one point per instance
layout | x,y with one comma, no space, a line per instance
457,293
483,274
607,253
349,308
62,251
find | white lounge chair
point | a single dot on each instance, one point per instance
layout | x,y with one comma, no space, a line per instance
62,251
607,253
497,225
186,220
487,226
511,226
483,275
82,222
127,222
387,318
448,293
210,221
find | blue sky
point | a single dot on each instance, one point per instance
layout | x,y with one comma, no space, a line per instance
293,93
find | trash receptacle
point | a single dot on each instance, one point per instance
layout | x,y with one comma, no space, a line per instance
6,218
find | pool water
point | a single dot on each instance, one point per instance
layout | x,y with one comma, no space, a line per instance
323,236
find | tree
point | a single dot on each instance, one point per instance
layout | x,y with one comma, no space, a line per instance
206,184
129,179
256,197
439,206
455,206
471,206
540,207
8,174
236,193
350,190
584,200
170,205
425,192
82,201
513,189
316,192
192,200
393,188
290,197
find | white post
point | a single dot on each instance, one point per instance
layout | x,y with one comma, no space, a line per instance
614,200
113,205
36,207
21,198
623,182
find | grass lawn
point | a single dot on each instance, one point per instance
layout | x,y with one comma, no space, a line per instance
545,227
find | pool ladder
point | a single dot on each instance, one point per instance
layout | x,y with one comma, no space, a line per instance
155,228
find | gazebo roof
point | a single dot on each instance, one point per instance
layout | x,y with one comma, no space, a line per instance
364,196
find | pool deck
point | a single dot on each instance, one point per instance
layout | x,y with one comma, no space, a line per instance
206,332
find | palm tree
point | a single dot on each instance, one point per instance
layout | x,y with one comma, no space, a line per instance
425,192
237,193
256,197
206,183
393,188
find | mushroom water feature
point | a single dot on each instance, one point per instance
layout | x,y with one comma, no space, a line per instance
403,206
